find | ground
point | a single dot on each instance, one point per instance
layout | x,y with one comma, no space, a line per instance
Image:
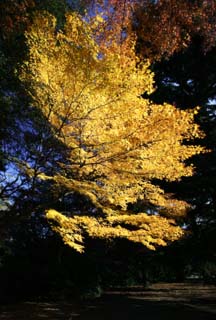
158,302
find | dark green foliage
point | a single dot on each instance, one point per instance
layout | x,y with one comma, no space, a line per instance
188,79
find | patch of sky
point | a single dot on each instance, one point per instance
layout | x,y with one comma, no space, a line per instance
10,182
211,102
211,108
167,81
190,82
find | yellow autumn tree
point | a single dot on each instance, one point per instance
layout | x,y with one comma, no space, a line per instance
117,142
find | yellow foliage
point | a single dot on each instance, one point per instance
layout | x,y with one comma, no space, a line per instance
117,141
152,231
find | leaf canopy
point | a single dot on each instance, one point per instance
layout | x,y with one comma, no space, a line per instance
117,142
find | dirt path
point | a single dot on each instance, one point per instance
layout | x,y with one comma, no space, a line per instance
159,302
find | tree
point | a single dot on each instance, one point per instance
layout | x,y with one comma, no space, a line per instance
184,76
188,79
165,27
116,143
15,15
24,135
162,27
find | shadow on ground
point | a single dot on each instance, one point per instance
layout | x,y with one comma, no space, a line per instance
158,302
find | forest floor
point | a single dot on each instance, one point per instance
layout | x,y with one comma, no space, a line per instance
178,301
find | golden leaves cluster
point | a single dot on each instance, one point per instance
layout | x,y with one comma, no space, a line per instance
117,141
151,231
